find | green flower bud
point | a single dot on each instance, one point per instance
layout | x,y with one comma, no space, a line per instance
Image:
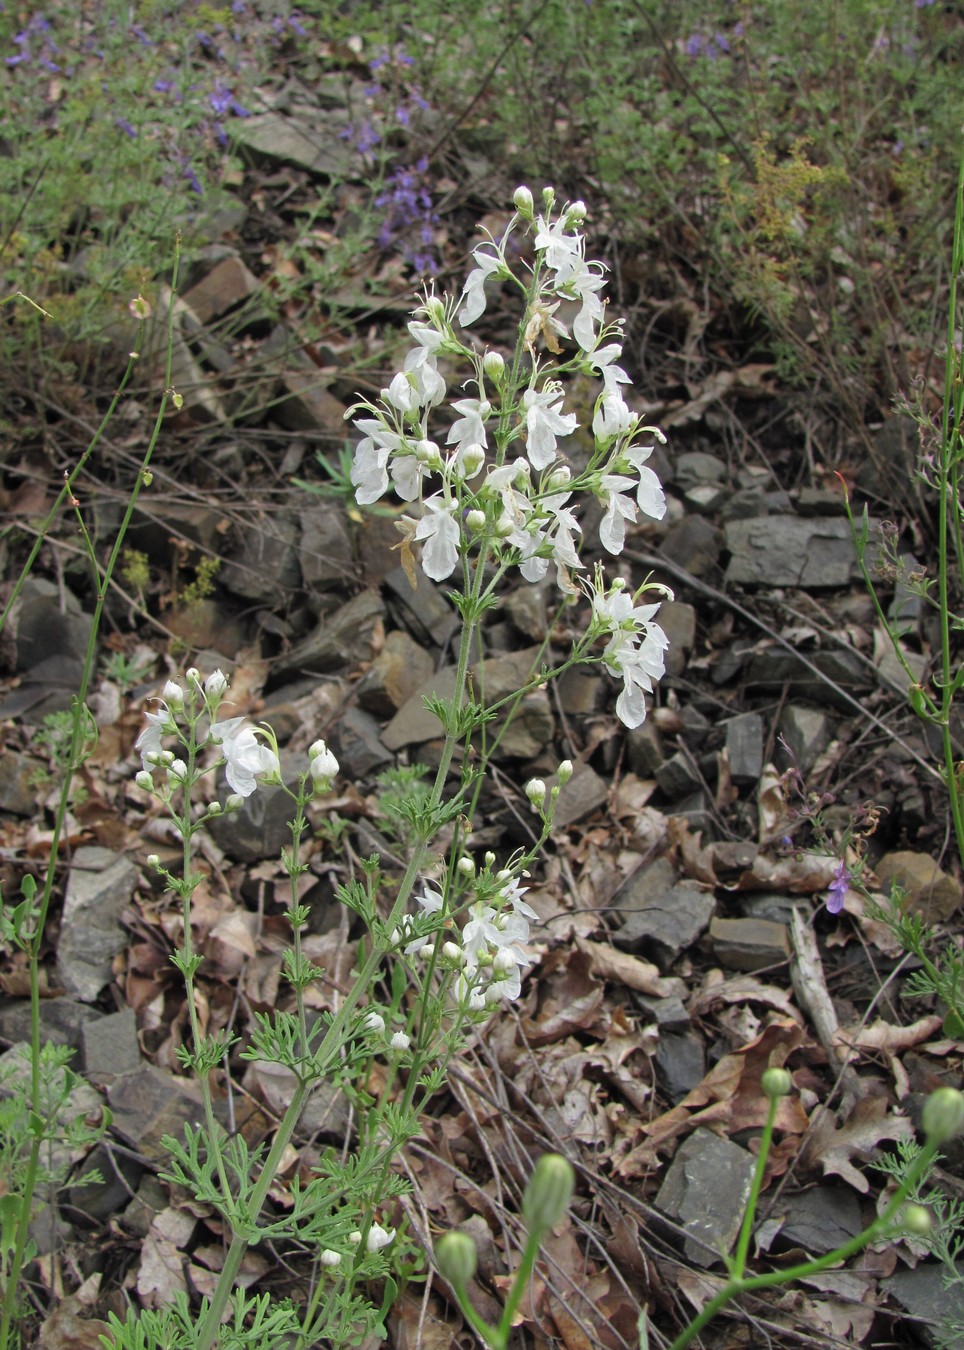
456,1258
564,772
916,1219
475,520
549,1191
943,1114
493,363
776,1083
144,781
435,309
522,200
535,790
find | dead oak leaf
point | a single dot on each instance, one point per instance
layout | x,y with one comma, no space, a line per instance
834,1147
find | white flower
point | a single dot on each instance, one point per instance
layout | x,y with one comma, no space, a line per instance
619,509
149,741
470,427
584,285
473,292
144,781
439,532
563,252
602,361
375,1022
421,363
402,393
544,422
535,790
378,1237
430,901
612,417
400,1041
649,493
330,1258
369,470
247,759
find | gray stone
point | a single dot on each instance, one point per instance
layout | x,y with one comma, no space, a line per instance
528,608
922,1293
705,499
929,891
678,775
695,545
744,745
260,828
661,913
705,1191
343,639
776,666
807,733
62,1021
678,622
414,724
397,672
356,741
306,403
669,1014
100,885
777,908
428,612
790,551
314,144
19,775
695,466
98,1201
749,944
150,1103
45,641
111,1046
227,284
820,1219
325,550
264,564
581,692
820,502
681,1062
644,748
584,793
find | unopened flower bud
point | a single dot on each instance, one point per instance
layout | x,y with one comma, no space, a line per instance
472,460
466,866
173,694
427,453
153,861
776,1083
354,1237
504,962
564,772
435,310
576,214
916,1219
559,477
375,1022
943,1114
144,781
321,762
330,1258
177,771
504,525
535,790
493,363
193,675
549,1191
456,1258
140,308
522,200
400,1041
475,520
215,684
234,802
452,952
489,859
215,809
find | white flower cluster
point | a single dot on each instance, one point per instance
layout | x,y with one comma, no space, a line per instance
489,954
248,760
495,481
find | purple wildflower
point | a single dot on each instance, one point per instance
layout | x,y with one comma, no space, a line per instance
123,125
837,891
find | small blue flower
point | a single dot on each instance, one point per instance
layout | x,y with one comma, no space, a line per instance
837,891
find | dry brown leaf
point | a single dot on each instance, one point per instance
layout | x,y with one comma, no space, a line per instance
716,991
833,1147
161,1273
67,1329
608,963
883,1035
570,998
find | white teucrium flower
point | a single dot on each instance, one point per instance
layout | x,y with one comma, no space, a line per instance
544,422
247,759
473,293
322,763
439,533
379,1237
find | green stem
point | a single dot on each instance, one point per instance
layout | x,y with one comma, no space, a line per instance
737,1285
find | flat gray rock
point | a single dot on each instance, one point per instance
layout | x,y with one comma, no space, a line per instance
100,885
790,551
661,913
705,1191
